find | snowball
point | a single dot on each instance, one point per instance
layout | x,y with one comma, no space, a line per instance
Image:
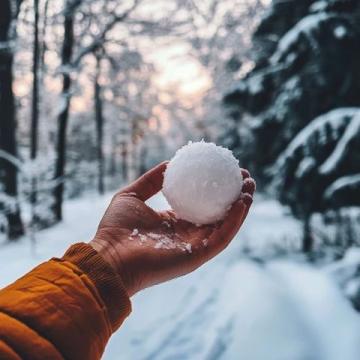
201,182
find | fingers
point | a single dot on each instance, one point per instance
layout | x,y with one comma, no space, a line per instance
223,235
238,211
148,184
245,173
249,186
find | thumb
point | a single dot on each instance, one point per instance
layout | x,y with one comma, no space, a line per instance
148,184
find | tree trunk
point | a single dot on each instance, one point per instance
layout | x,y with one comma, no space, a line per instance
99,119
308,241
63,116
35,94
35,107
112,162
124,162
8,172
142,160
43,37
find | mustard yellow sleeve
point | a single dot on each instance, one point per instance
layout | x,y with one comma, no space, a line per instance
63,309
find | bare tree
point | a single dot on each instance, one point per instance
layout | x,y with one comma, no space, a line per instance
99,120
8,172
68,63
63,116
35,106
224,49
35,93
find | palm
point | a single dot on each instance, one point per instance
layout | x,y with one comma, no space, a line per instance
153,247
170,233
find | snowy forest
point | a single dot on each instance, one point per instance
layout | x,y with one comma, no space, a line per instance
93,93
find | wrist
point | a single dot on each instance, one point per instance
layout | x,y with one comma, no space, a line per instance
102,248
107,250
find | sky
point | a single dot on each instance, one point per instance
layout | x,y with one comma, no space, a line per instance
177,71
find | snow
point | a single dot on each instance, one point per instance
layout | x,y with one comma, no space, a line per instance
20,257
352,132
161,241
255,84
342,183
134,232
63,104
201,182
231,308
306,164
304,27
154,236
12,159
319,6
294,309
346,268
188,248
336,119
333,324
345,272
340,32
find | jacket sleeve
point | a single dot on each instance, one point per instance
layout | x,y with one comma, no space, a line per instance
63,309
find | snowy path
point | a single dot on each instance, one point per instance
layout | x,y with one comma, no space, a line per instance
232,308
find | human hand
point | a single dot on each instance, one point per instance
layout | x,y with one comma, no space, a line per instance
147,247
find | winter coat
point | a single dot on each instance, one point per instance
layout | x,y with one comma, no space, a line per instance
63,309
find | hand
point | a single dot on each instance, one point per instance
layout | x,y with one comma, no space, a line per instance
147,247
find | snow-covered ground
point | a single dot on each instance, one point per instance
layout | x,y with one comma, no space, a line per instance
232,308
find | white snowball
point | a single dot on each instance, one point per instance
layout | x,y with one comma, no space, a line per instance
201,182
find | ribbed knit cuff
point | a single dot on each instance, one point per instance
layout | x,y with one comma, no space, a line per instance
106,280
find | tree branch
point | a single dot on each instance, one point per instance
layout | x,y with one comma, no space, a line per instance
99,40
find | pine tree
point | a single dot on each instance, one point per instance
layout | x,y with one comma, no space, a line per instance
302,98
319,169
312,69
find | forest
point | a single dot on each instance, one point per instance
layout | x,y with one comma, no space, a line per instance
93,93
87,104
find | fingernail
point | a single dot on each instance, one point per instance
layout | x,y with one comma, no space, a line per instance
245,173
249,186
247,199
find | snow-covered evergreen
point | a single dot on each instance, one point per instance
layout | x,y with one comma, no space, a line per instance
311,70
323,159
301,102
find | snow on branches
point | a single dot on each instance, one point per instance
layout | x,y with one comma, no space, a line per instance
323,157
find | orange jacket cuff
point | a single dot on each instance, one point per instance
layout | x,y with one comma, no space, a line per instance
106,280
